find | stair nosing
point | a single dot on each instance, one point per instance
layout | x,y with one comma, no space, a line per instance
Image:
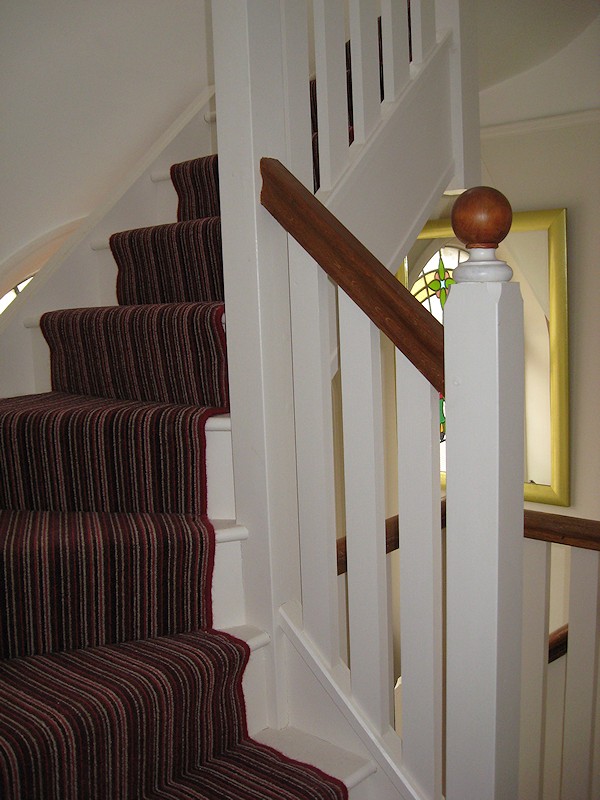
280,740
254,637
227,530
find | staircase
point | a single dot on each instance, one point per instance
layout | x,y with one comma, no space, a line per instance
114,522
113,681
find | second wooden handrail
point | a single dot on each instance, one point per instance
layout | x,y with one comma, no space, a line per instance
552,528
412,329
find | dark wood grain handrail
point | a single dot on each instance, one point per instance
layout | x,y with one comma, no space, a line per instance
558,643
389,305
562,529
551,528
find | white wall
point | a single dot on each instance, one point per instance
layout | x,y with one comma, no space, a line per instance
86,88
551,159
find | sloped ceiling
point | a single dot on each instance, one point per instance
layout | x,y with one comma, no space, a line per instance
515,35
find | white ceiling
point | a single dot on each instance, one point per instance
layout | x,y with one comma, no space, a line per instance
515,35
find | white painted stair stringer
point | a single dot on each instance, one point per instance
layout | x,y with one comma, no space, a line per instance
354,770
310,675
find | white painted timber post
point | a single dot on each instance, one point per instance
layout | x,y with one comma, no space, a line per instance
252,91
484,400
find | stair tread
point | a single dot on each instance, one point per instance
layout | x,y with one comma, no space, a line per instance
165,352
227,530
170,263
197,185
107,705
254,637
96,454
344,765
144,699
140,561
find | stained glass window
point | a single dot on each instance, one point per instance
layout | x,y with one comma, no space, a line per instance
431,289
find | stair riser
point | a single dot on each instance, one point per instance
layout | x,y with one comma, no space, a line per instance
254,684
219,470
228,587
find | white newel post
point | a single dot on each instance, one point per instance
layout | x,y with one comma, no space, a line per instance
253,94
484,400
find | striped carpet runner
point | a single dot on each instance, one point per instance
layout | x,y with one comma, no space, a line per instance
113,683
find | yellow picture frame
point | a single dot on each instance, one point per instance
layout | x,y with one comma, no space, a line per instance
554,223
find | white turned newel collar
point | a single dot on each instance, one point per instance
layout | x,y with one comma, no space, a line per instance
482,267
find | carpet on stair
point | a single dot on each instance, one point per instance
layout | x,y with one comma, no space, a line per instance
129,720
172,263
83,579
113,685
165,353
64,452
197,185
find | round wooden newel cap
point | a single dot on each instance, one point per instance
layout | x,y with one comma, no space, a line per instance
481,217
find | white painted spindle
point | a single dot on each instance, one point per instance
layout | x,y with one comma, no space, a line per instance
422,21
581,723
364,48
396,58
309,290
484,400
332,98
370,641
311,347
534,660
420,576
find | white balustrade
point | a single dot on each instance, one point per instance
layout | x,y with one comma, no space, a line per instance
281,339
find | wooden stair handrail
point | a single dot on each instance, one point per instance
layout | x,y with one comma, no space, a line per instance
553,528
558,643
562,529
388,304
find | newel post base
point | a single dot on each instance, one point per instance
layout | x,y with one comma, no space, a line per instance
484,368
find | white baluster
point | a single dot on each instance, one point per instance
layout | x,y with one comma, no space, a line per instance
420,576
309,289
484,394
422,19
396,58
460,17
311,348
581,722
332,102
534,660
365,67
296,89
370,641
